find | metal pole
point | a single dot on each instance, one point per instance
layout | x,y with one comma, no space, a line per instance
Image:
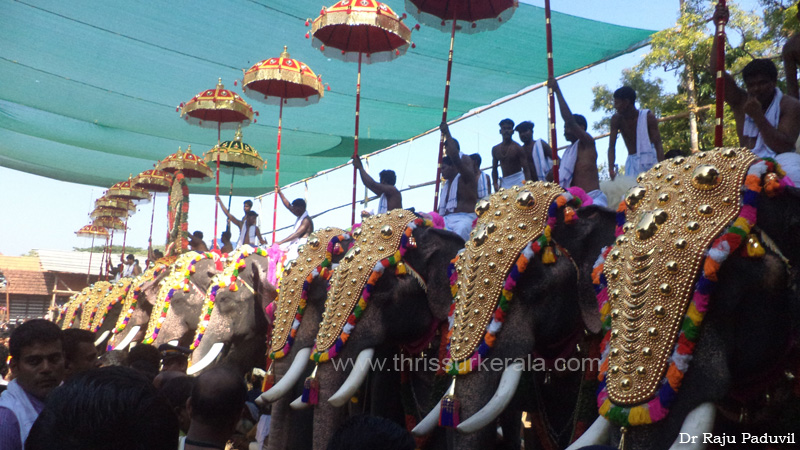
720,81
550,97
444,115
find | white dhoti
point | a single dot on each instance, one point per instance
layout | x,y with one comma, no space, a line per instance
460,223
790,163
515,179
636,164
598,197
291,248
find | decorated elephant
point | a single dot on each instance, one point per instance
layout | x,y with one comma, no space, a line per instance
70,312
390,289
699,304
138,304
297,314
108,310
179,305
524,307
233,322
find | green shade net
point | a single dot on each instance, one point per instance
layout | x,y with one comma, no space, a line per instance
89,90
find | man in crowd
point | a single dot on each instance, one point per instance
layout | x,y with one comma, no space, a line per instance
767,122
80,354
537,152
128,268
639,129
484,180
196,242
226,246
457,206
303,226
509,155
578,165
37,362
390,197
216,404
250,234
247,206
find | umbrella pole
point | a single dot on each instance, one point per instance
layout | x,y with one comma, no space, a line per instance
230,196
109,244
125,236
720,81
444,115
277,174
216,206
152,216
89,271
550,97
355,142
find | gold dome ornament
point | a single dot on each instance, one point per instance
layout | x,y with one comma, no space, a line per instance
235,154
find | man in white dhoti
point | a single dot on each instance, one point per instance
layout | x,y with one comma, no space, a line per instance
767,121
639,129
460,191
390,197
537,152
509,155
578,165
484,180
303,226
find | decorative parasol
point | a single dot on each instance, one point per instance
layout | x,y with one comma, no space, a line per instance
108,212
467,16
351,28
115,203
111,223
217,108
153,180
192,166
92,231
124,190
234,155
282,81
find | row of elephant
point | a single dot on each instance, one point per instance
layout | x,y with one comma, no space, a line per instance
398,287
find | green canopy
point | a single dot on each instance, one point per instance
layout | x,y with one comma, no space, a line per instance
89,90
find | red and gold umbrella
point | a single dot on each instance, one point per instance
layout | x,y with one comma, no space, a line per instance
353,28
282,81
111,223
467,16
92,231
109,212
153,180
124,190
115,203
217,108
192,166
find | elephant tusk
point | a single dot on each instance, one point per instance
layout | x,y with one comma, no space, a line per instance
354,381
597,434
287,382
173,342
128,338
298,404
700,420
430,422
206,360
102,338
498,402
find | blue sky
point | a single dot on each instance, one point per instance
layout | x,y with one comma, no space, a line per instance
39,212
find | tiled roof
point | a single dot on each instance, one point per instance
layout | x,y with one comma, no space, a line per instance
20,263
27,282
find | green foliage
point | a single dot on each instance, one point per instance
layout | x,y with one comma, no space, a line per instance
117,249
685,49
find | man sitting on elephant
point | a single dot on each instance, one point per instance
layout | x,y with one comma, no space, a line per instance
457,206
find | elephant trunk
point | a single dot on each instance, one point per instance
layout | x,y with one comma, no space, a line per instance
327,417
356,378
289,380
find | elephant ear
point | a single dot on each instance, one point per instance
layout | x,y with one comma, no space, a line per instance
435,249
587,301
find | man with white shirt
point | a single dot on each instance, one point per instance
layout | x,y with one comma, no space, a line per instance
303,226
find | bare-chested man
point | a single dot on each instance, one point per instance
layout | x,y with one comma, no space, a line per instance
511,158
537,152
767,122
578,165
791,59
460,191
639,129
390,197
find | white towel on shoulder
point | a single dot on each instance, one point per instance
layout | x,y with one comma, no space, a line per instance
566,169
773,116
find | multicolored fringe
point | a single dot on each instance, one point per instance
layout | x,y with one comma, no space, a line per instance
110,305
377,271
657,408
184,285
232,285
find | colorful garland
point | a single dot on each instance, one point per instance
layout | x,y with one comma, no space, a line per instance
123,320
657,408
95,307
377,271
323,270
231,274
99,322
184,284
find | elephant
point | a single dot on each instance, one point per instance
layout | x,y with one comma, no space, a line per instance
138,304
71,310
745,307
400,261
87,307
532,238
185,301
233,327
290,428
108,310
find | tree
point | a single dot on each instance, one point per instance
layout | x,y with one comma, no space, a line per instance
684,49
